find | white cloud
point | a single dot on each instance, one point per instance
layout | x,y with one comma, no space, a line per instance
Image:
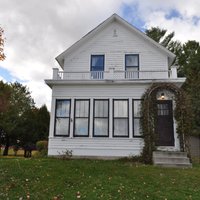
186,25
37,31
185,29
41,92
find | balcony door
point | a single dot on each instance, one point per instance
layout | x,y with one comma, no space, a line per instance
97,66
132,66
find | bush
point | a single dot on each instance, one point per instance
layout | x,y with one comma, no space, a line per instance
40,154
42,145
135,159
65,155
15,149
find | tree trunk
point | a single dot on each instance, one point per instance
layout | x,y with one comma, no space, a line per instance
5,152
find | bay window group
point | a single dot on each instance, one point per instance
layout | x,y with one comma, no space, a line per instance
97,118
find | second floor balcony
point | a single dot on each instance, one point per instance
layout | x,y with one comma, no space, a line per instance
115,75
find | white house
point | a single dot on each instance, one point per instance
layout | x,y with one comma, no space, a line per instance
96,98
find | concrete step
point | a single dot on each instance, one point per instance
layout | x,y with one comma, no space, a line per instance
169,153
177,165
171,159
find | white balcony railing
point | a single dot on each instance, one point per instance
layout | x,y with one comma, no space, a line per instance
113,75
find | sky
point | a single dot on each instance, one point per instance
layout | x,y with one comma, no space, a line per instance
37,31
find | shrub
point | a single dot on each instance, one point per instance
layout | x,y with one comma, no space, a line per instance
40,154
135,159
42,145
65,155
15,149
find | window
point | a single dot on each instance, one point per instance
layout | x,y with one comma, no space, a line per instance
81,117
163,109
97,66
62,117
137,117
120,118
101,118
132,66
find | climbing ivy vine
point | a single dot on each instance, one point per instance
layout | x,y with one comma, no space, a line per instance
182,114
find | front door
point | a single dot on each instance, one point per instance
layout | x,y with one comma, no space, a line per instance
164,123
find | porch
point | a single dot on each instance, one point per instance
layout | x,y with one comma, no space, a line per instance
115,75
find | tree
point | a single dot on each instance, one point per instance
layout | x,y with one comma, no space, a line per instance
43,119
192,87
188,62
159,35
2,55
189,50
5,92
27,128
166,40
19,101
34,126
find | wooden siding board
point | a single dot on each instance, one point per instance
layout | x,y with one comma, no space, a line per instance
114,49
92,91
96,146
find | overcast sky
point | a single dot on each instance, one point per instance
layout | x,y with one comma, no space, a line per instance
37,31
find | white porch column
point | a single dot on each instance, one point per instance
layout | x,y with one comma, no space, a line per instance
111,118
52,118
72,119
111,73
55,73
173,72
91,119
130,118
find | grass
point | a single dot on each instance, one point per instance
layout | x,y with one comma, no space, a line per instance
93,179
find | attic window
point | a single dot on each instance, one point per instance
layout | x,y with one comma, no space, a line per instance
115,33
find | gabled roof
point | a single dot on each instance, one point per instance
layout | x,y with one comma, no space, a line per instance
114,17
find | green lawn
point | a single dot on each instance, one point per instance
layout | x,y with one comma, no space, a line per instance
50,178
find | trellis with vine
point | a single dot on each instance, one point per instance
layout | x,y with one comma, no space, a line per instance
182,114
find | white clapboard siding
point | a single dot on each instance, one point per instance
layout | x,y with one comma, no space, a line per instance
103,147
114,40
114,48
115,91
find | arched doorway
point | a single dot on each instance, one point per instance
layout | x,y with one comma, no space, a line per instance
166,119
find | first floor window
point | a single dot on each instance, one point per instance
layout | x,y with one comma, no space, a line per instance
81,117
137,117
101,118
120,118
62,117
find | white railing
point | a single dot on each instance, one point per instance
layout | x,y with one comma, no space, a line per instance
113,75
